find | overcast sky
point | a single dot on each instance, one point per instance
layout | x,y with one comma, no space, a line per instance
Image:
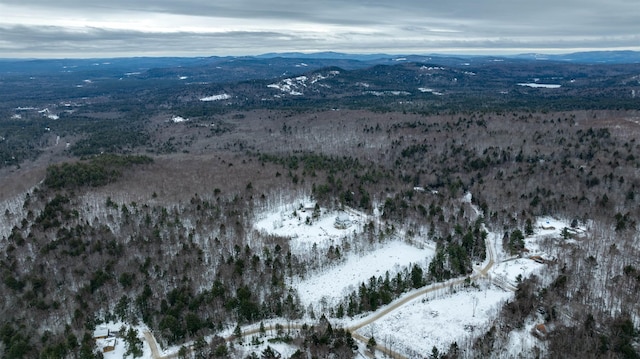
114,28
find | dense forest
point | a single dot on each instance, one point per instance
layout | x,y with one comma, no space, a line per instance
113,214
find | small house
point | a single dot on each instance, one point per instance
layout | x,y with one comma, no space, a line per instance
541,331
343,221
101,333
109,345
308,206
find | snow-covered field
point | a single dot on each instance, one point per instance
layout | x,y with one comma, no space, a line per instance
437,319
337,282
320,231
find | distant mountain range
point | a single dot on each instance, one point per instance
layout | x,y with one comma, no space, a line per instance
608,76
618,57
312,60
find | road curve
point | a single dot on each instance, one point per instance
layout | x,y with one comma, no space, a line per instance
151,340
366,321
404,300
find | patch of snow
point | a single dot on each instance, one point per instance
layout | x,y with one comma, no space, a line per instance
400,59
507,272
387,93
178,119
183,77
431,68
291,85
317,78
537,85
16,116
219,97
296,86
431,91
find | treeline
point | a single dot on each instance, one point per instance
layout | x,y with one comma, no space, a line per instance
21,140
454,257
347,180
98,171
380,291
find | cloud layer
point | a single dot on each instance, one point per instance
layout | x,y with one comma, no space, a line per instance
86,28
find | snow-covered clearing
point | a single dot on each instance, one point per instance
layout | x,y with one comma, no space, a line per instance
309,234
536,85
305,231
219,97
337,282
297,85
438,319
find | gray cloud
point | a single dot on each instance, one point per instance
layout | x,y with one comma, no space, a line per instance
81,28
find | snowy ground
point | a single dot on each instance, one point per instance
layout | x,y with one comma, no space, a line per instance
337,282
321,231
521,342
437,319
